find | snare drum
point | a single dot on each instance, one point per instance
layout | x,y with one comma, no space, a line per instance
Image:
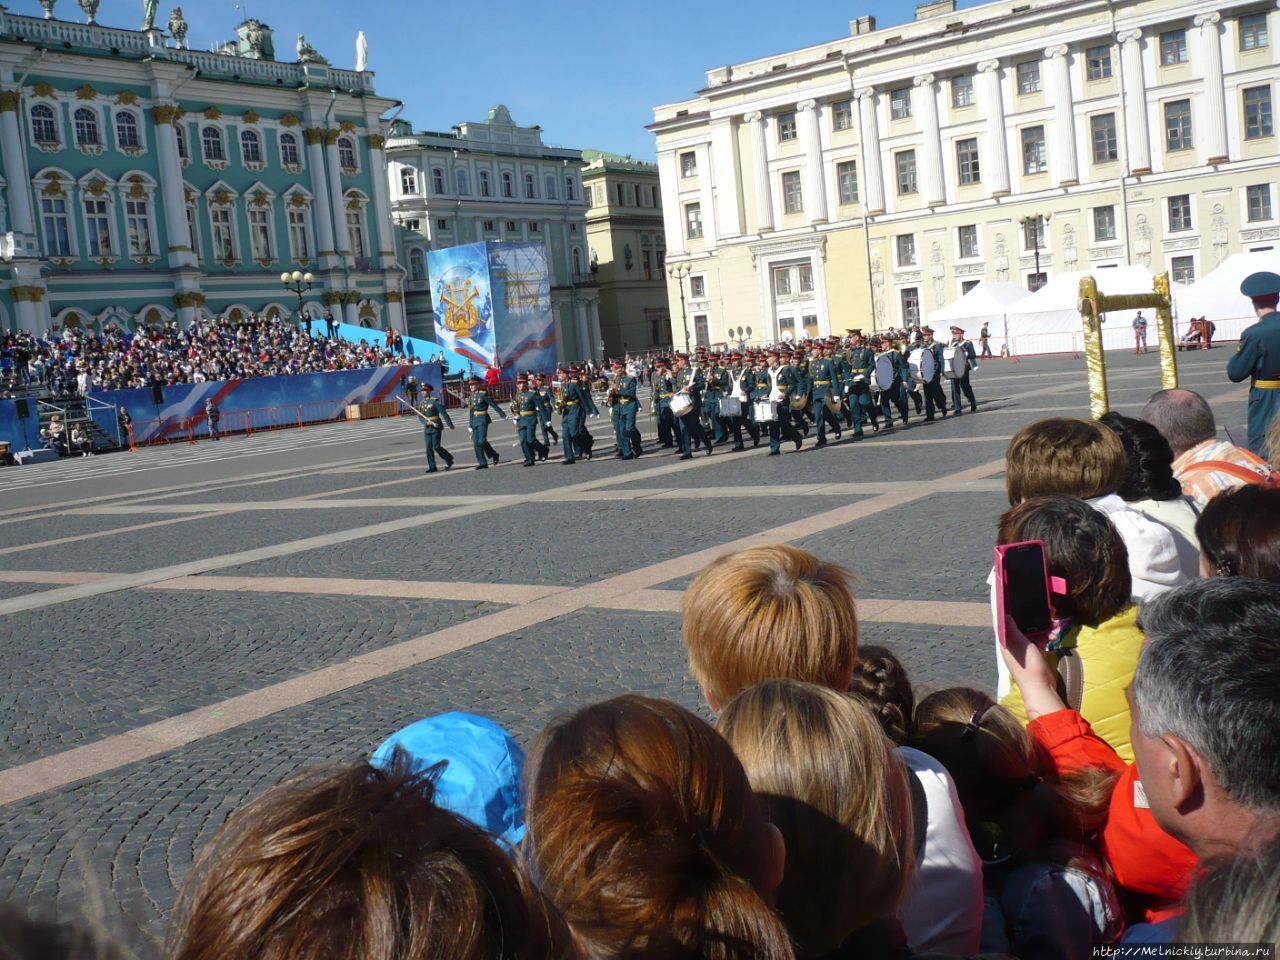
681,404
766,411
730,407
955,362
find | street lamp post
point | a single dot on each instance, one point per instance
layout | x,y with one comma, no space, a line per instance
293,282
678,273
1039,222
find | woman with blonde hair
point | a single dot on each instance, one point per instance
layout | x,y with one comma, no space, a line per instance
644,831
828,779
1050,896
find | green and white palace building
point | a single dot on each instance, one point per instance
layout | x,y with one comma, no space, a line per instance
143,181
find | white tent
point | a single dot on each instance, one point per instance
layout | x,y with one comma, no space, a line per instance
988,302
1048,321
1217,297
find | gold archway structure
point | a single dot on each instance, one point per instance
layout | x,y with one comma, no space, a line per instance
1093,309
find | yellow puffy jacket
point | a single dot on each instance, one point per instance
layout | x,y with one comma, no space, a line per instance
1108,656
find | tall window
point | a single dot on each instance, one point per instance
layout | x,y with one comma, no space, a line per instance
847,181
842,115
250,146
137,220
646,262
1033,151
688,164
289,155
693,220
782,281
1258,201
1257,112
1098,63
1029,76
905,164
87,134
1253,31
1104,223
910,300
347,155
570,190
792,198
549,186
968,237
462,180
299,235
786,127
127,130
962,90
485,179
1102,129
260,233
437,180
180,134
905,246
57,226
408,180
1182,269
417,266
193,230
530,187
97,215
1173,47
900,103
508,184
967,161
622,195
224,242
1177,125
355,229
211,141
44,126
1180,212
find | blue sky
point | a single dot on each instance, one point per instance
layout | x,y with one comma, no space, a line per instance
590,73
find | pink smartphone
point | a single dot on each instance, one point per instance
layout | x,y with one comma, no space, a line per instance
1022,588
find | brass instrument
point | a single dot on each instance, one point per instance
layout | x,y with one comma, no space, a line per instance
557,390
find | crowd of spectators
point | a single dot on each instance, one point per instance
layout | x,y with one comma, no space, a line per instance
1121,786
77,360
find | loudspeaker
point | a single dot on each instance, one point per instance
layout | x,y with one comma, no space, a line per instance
157,393
24,408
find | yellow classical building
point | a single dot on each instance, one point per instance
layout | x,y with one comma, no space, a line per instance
868,181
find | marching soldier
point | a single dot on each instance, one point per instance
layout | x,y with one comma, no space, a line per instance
689,381
526,407
961,384
896,393
478,405
780,384
823,371
586,441
862,360
663,386
1258,356
548,404
934,398
803,416
434,419
717,388
740,381
623,406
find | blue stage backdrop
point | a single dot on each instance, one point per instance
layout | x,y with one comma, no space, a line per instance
12,426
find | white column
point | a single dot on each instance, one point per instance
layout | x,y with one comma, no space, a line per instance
815,193
869,133
320,190
931,148
384,245
1214,118
172,192
395,315
341,236
593,322
21,212
1137,138
760,161
706,174
351,312
580,322
557,318
995,165
1063,156
724,155
672,215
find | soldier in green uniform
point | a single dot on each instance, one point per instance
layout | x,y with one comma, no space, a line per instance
823,373
1257,356
663,386
862,360
548,404
840,357
802,413
739,382
479,404
781,383
434,419
961,384
586,441
934,398
623,407
689,381
526,407
896,393
717,377
569,404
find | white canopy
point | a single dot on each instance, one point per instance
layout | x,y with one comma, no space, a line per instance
1217,297
986,302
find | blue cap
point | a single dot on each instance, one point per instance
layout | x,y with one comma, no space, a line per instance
1260,284
482,776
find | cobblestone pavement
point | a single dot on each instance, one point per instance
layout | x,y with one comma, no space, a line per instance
79,673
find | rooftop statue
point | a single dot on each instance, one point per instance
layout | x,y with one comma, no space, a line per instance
178,27
307,53
149,10
90,8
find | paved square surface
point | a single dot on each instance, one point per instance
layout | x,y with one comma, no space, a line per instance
156,678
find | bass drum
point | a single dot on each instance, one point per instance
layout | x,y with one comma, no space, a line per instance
923,364
885,373
955,362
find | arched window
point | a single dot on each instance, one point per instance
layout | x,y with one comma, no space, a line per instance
87,134
437,180
570,191
211,140
347,154
486,184
289,155
508,184
127,130
44,128
463,180
250,146
417,265
550,184
577,262
180,134
530,186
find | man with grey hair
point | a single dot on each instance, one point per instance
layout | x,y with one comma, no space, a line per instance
1203,464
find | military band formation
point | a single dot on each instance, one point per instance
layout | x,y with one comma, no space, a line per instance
779,395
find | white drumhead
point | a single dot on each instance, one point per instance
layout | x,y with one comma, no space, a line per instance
928,365
681,404
884,371
955,361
